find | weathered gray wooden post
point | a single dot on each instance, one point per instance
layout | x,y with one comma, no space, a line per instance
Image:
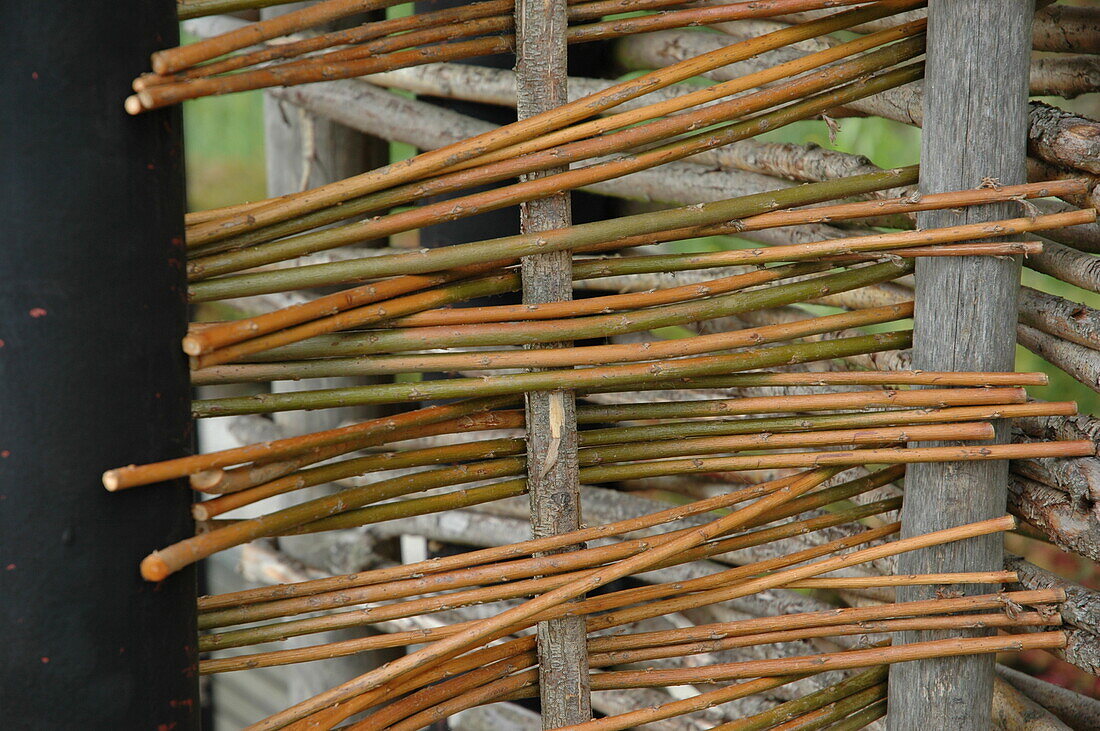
552,471
975,122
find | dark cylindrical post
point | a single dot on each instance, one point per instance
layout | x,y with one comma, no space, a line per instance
92,309
975,123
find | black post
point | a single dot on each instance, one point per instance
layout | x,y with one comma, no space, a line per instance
92,309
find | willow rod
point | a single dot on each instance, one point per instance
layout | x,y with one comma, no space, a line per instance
809,96
605,378
177,59
203,341
666,647
558,358
519,588
280,484
443,649
488,555
219,481
429,698
604,125
970,404
836,711
433,161
454,17
753,212
794,708
831,617
510,583
671,442
934,405
333,65
772,619
653,677
503,282
485,630
616,472
134,475
734,629
567,147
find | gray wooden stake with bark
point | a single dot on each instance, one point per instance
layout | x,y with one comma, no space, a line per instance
551,415
975,133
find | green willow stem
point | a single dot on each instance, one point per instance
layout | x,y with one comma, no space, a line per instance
800,706
622,377
612,473
598,446
574,237
654,131
432,162
862,719
317,332
282,250
529,332
824,717
187,9
329,597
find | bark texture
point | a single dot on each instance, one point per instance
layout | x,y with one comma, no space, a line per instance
966,312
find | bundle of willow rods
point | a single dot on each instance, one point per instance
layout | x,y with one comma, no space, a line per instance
801,419
477,29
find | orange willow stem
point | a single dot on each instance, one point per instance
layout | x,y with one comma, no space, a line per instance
208,338
729,217
510,584
218,481
840,660
171,469
604,125
673,442
485,630
1007,404
809,96
499,283
703,633
500,553
134,475
321,69
563,357
512,161
433,161
623,377
615,472
177,59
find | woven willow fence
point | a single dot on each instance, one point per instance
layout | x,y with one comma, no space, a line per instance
660,455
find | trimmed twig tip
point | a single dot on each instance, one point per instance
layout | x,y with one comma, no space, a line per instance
191,345
133,105
206,479
199,512
153,568
111,481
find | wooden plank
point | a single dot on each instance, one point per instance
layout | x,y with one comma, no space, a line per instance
552,480
975,133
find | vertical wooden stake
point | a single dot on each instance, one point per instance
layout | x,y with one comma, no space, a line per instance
975,121
551,415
